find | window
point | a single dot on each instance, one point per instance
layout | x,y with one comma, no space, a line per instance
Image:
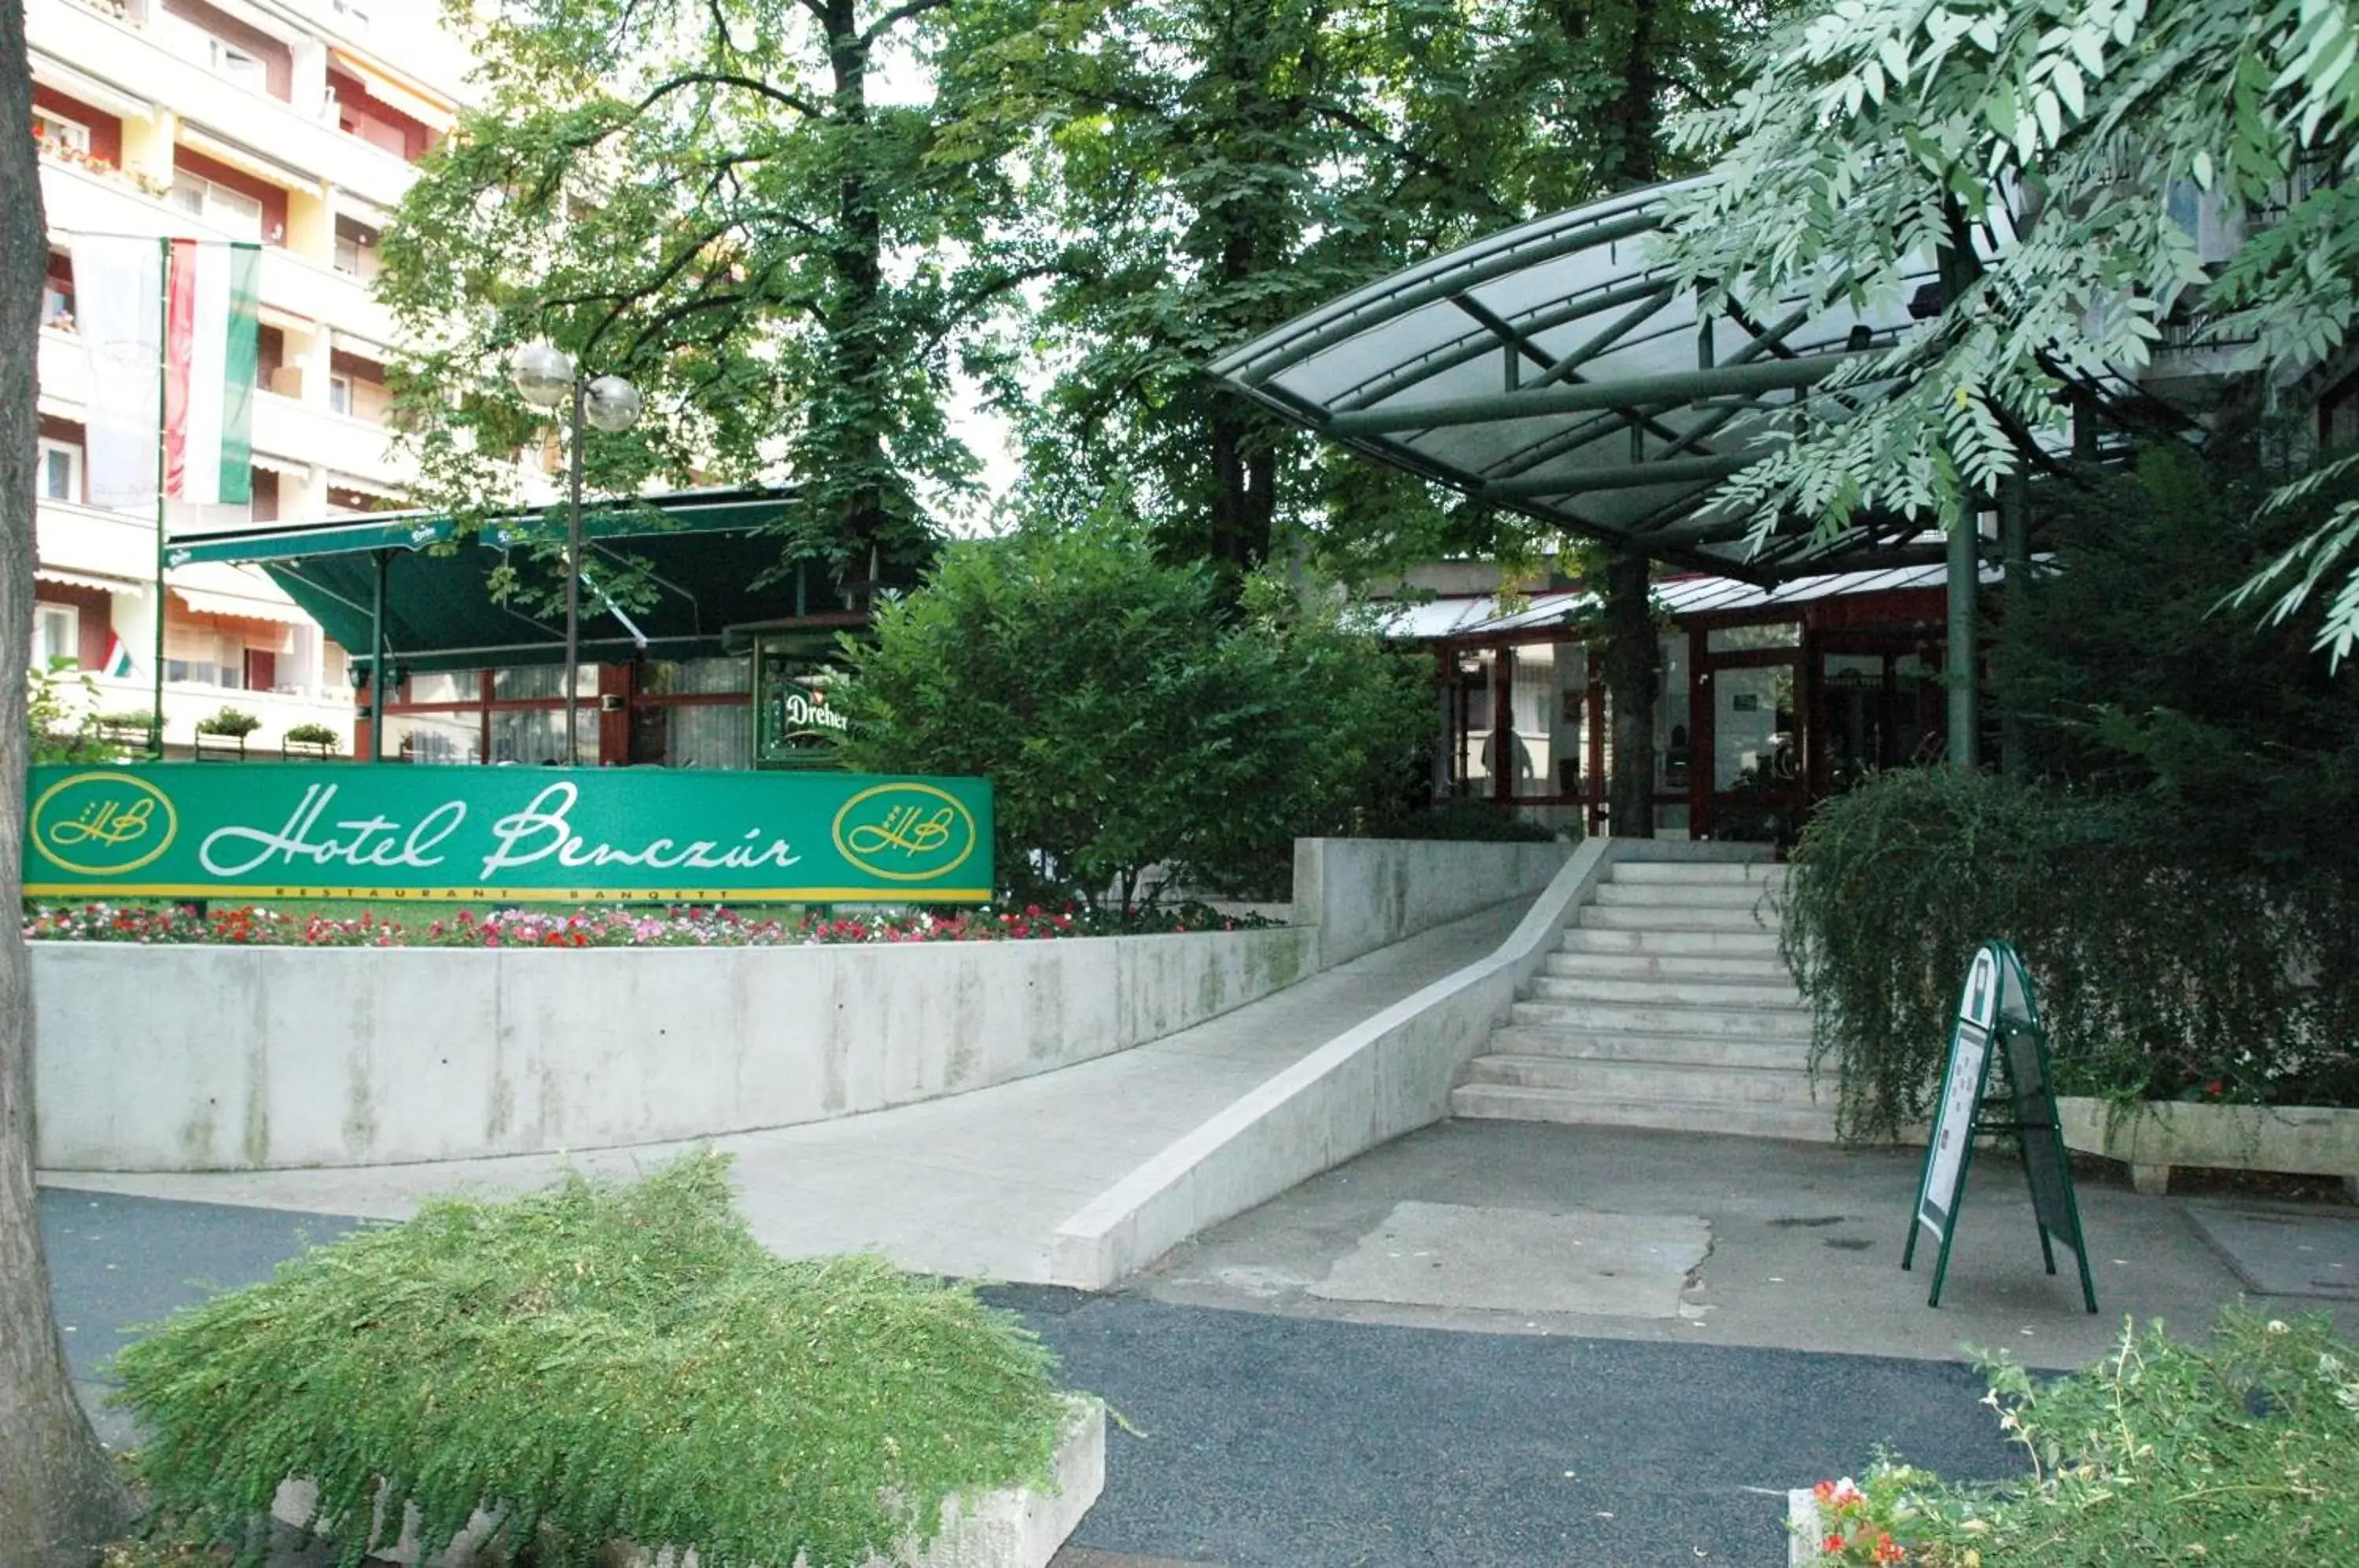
54,128
355,249
60,472
217,204
229,60
340,394
56,634
56,304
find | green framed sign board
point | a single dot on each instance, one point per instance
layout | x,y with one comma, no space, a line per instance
1998,1027
272,830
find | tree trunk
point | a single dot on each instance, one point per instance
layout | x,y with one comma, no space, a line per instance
60,1497
1632,134
855,336
1630,657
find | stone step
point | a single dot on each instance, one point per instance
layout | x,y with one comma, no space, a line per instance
1719,943
1681,992
1680,895
1669,966
1638,1017
1644,1080
1753,872
1659,917
1790,1055
1508,1102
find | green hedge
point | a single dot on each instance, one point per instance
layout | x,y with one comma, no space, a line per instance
594,1363
2163,973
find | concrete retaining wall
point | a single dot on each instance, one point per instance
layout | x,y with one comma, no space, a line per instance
225,1058
1367,893
1389,1076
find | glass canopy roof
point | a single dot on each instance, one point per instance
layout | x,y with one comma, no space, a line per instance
1559,369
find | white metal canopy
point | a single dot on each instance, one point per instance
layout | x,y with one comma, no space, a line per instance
1558,369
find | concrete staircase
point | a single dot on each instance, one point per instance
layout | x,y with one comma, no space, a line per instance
1666,1006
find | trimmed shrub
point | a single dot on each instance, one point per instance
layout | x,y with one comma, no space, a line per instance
233,721
592,1362
1474,822
1127,720
2159,977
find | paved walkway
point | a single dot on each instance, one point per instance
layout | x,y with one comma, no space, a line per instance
973,1185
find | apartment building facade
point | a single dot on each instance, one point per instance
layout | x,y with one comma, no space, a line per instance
296,125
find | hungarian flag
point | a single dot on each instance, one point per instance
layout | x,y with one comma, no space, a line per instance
210,332
118,658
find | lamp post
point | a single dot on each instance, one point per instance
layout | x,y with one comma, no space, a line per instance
547,376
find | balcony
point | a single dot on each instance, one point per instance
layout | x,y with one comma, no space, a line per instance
143,66
77,199
185,703
285,428
116,545
307,432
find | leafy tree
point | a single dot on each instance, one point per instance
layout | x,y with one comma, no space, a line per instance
2056,160
1229,164
59,1496
2236,747
718,202
1125,722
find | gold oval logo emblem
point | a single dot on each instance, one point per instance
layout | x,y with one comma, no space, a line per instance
103,824
905,833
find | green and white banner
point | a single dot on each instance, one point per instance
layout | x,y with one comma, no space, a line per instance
266,830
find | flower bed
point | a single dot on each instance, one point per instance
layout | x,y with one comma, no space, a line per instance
250,925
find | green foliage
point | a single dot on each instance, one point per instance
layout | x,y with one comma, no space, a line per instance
229,721
2055,160
59,730
313,734
2244,1449
717,202
2239,748
592,1362
1124,722
2159,978
1203,172
1477,822
2180,881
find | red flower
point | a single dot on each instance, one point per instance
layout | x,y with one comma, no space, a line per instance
1831,1544
1887,1550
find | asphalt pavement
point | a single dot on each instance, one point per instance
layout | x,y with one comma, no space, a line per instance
1261,1440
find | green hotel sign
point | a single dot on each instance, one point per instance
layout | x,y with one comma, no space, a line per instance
355,830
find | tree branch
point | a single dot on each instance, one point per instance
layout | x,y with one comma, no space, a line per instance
800,104
896,17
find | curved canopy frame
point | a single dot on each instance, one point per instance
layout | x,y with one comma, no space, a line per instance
1560,370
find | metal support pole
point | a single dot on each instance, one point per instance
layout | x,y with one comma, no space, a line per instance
1965,580
377,659
2015,554
573,583
163,483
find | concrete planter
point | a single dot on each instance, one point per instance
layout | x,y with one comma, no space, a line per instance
1013,1527
2152,1137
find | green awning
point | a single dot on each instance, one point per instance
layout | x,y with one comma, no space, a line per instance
700,555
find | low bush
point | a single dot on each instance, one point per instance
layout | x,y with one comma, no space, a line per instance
2244,1451
313,734
1476,822
2161,975
591,1364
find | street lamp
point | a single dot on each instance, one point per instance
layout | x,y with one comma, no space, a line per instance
547,376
